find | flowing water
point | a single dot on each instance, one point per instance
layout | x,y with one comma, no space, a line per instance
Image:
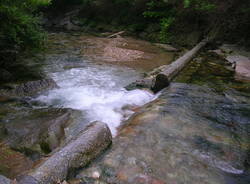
98,91
91,74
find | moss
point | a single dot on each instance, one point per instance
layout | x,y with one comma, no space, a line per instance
213,72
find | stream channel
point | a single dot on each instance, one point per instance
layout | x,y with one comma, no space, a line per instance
195,131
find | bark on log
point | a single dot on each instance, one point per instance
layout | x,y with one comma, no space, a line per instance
161,77
78,153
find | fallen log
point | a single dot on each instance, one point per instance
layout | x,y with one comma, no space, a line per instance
161,77
116,34
78,153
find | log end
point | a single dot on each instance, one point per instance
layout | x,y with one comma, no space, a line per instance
161,81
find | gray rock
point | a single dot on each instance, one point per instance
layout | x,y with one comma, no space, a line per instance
190,134
38,131
29,88
27,180
4,180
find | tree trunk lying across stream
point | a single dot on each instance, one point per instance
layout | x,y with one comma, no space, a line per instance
160,77
78,153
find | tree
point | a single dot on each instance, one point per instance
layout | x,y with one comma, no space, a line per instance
19,24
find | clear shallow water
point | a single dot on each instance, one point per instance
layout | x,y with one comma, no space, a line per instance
98,91
185,136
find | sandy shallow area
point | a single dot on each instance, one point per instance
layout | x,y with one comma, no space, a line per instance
130,52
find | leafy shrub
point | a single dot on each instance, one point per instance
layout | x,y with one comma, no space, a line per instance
165,25
199,5
19,26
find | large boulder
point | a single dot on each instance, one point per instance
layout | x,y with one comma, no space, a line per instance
190,134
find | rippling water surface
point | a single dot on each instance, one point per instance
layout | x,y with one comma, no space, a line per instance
98,91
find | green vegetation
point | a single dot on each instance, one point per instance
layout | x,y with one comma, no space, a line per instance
19,24
20,27
182,22
158,20
213,72
20,31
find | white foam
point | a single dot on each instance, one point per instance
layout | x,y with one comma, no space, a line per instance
99,92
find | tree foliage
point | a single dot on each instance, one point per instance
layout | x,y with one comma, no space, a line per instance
227,18
19,24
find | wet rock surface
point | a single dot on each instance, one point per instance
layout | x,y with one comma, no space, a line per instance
190,134
38,131
28,88
13,163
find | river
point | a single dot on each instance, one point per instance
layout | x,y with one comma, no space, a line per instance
195,131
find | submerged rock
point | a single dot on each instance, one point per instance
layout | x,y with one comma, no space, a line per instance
28,88
38,131
190,134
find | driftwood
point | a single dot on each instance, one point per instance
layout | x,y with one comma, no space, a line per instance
161,77
116,34
78,153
